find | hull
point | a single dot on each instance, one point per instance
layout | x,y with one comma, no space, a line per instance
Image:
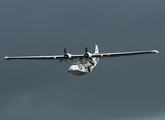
77,73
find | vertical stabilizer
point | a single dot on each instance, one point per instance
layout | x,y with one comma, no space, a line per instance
96,49
95,59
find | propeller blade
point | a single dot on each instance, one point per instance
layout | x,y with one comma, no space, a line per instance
86,54
61,60
64,50
86,49
70,59
65,56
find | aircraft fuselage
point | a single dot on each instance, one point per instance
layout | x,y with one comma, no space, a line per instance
82,68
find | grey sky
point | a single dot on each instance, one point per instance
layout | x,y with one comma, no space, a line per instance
118,89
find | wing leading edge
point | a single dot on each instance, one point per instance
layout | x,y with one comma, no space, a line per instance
120,54
99,55
35,57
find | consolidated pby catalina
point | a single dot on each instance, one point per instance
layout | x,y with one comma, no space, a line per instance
86,62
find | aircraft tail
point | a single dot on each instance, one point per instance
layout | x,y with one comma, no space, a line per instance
96,50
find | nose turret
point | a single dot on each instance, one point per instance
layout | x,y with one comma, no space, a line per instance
73,68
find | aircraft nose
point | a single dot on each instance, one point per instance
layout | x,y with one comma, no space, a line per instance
69,70
72,68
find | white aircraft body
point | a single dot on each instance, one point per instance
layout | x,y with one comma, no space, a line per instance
86,62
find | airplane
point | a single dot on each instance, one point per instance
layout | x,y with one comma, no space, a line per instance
86,62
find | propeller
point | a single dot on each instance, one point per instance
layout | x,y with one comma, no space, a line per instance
66,56
87,55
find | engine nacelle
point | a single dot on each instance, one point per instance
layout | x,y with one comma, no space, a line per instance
87,55
67,56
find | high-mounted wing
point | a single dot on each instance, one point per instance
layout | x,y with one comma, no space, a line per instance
66,56
51,57
86,55
58,57
119,54
99,55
